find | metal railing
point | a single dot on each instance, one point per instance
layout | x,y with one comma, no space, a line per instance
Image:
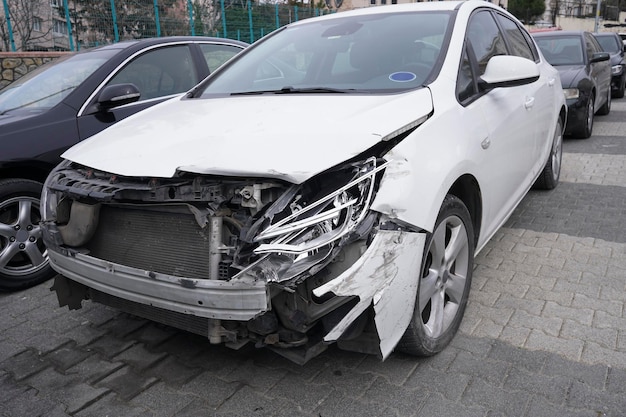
69,25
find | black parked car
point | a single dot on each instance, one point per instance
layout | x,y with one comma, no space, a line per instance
585,72
52,108
612,43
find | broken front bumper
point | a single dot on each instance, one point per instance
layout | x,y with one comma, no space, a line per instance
239,300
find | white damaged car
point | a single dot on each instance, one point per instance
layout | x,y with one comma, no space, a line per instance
330,184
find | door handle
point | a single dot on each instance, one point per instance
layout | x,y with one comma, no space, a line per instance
551,82
529,103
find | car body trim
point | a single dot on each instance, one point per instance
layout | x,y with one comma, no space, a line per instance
382,277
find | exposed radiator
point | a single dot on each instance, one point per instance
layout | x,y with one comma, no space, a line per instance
157,241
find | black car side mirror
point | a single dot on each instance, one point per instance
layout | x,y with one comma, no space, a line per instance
599,57
117,95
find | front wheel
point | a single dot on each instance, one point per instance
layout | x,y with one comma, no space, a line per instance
23,256
622,86
587,127
444,281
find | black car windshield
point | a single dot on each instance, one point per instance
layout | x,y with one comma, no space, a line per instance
48,85
561,50
386,52
610,44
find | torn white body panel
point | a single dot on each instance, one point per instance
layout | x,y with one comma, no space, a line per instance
386,276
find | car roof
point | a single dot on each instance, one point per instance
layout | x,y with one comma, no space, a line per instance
405,7
141,43
559,33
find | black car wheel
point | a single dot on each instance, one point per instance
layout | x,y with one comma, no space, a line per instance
587,126
444,282
23,256
549,177
622,86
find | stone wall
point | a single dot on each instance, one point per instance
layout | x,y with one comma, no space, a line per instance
15,64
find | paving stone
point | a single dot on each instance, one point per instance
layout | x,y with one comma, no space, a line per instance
396,369
126,383
438,405
532,361
487,369
111,405
307,395
69,391
139,358
259,377
173,372
30,403
161,400
593,375
430,380
540,407
616,381
24,364
569,348
493,397
346,380
67,356
110,347
551,388
94,369
338,405
584,396
210,389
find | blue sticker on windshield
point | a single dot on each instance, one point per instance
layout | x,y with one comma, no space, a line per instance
402,76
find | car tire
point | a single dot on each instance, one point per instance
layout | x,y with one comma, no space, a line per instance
549,177
606,107
23,257
444,282
587,127
622,86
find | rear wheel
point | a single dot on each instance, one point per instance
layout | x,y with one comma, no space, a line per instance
585,131
549,177
23,256
622,85
444,281
606,107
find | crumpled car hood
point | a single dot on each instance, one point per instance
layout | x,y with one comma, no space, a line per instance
289,137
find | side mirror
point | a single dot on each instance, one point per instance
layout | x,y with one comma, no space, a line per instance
117,95
508,71
599,57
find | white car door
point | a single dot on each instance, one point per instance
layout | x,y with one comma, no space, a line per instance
509,114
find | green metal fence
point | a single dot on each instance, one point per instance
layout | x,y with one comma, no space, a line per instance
75,24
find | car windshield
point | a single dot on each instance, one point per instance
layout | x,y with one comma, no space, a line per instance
368,53
610,44
561,50
48,85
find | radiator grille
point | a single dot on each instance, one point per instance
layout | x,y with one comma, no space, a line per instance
157,241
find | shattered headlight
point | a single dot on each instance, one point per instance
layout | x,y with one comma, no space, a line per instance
311,222
327,218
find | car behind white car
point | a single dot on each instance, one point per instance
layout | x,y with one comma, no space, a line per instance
330,184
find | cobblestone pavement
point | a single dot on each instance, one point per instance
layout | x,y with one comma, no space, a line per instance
544,333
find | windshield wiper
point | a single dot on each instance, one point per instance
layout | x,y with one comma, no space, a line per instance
292,90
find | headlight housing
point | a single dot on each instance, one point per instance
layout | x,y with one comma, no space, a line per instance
317,221
617,69
571,93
